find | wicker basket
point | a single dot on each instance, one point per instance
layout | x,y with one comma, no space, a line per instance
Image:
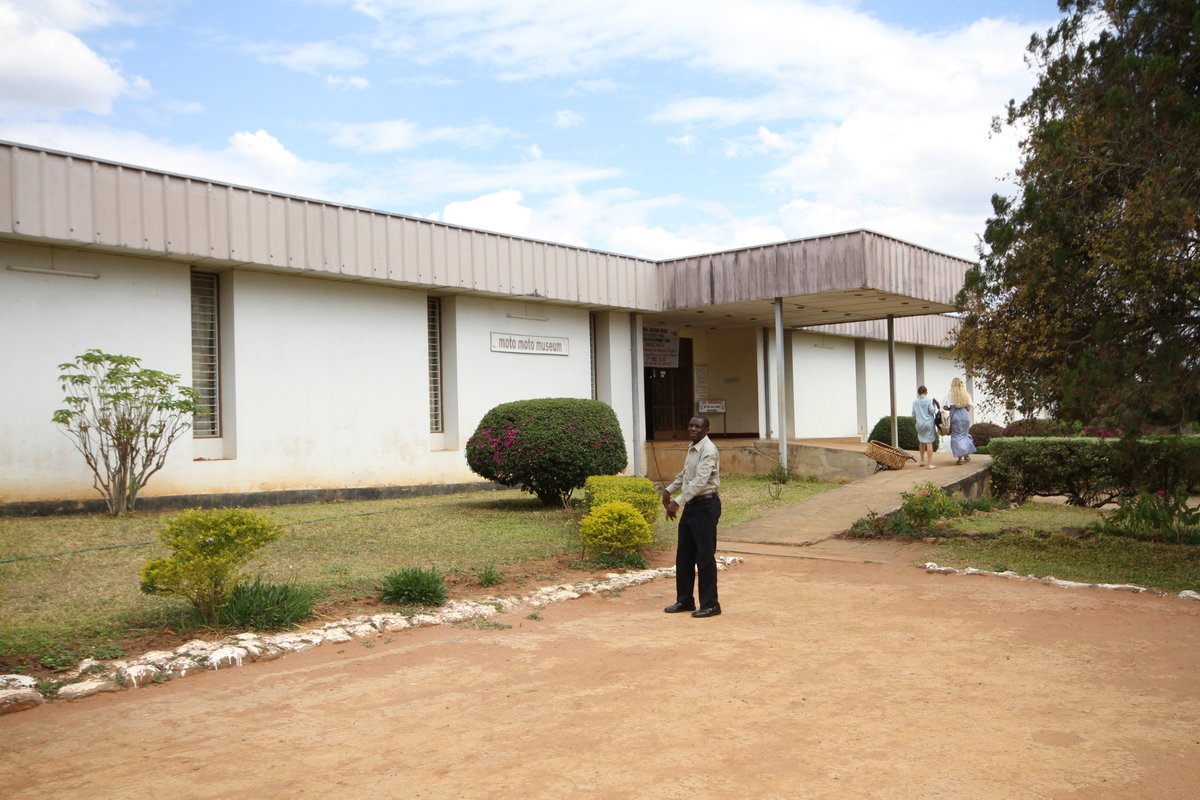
886,455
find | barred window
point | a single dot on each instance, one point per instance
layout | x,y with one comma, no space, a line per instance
435,365
205,368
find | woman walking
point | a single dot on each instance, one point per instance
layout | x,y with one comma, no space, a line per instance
958,403
923,411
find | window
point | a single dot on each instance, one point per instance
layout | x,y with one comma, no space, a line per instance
436,424
592,352
205,366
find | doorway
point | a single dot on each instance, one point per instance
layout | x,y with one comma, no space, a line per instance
670,397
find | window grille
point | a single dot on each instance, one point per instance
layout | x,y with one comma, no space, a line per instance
435,365
592,352
205,367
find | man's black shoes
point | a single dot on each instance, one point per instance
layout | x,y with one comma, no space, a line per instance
676,608
711,611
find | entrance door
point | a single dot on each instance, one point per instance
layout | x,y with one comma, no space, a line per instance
670,395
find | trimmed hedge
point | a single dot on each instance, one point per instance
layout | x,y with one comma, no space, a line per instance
637,491
614,528
1091,472
906,429
547,446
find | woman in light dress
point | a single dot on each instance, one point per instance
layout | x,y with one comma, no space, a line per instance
923,410
958,403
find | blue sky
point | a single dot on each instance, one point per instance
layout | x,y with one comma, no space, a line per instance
655,128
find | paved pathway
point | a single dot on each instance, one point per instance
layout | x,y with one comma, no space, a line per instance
807,529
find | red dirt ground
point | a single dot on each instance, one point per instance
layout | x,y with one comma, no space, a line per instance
822,679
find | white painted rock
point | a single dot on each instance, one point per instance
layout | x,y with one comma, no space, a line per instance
17,682
13,700
75,691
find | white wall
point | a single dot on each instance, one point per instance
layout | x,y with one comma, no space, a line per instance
136,307
615,373
485,379
330,382
878,398
825,396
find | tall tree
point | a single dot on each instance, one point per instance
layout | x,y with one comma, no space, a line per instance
1086,301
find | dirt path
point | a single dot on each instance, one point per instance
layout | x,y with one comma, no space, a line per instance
821,680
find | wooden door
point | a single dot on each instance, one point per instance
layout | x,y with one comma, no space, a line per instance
670,397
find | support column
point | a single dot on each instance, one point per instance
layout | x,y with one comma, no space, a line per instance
780,386
891,329
636,365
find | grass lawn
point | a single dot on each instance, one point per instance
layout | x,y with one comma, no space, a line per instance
1046,540
69,585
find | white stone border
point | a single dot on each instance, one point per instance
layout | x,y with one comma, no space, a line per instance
1050,580
19,692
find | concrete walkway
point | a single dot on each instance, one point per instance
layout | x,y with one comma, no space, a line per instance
807,529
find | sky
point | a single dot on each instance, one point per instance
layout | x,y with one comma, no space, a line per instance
651,128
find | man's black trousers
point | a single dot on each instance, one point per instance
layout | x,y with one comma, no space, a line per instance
697,551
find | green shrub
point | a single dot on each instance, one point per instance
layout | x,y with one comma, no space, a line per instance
414,586
59,659
926,504
906,429
637,491
1156,517
1092,472
209,548
263,606
1157,463
1080,469
106,652
872,526
1035,427
547,446
631,560
984,432
614,527
488,576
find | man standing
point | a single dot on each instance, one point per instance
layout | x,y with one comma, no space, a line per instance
697,548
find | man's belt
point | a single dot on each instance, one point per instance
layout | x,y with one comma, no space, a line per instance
703,498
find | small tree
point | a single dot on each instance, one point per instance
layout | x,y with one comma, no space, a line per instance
547,446
123,419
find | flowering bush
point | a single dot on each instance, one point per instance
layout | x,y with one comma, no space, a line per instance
926,504
547,446
209,548
1102,433
984,432
1034,426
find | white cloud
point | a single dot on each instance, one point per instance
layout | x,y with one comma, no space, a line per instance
185,107
533,151
657,243
72,15
45,69
347,82
761,142
567,119
386,136
311,57
593,86
501,212
687,142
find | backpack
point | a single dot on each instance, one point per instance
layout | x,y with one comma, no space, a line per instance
941,419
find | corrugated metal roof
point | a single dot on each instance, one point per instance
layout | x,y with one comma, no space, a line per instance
77,201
